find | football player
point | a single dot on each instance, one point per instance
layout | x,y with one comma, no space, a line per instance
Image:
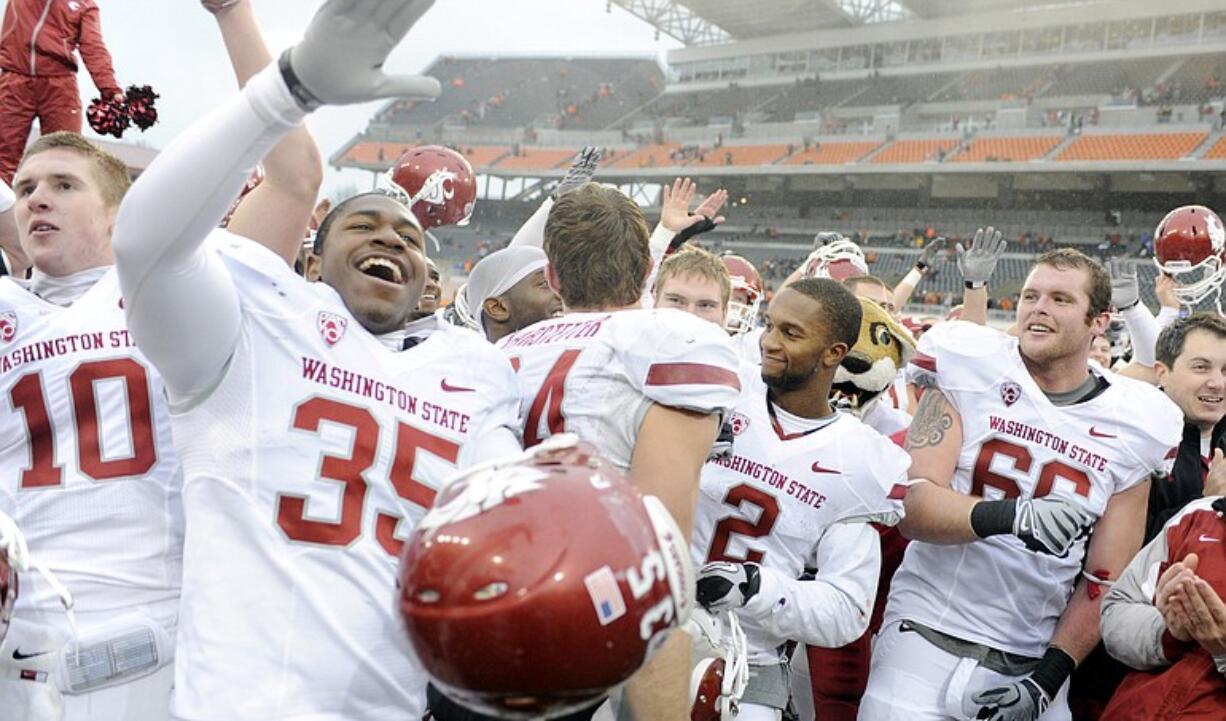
646,387
86,453
746,298
696,282
797,492
508,291
1019,448
309,445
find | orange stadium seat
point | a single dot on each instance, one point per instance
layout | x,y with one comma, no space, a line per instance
743,155
833,153
384,154
1140,146
1005,149
651,156
914,151
1218,151
536,159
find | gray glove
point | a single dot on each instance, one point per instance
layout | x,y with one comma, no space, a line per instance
931,251
1050,525
580,172
1020,701
977,263
340,58
826,237
725,586
1125,289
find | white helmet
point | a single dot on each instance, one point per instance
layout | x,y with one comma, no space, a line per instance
838,260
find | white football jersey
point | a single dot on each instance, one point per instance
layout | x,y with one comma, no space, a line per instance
86,458
304,470
596,374
1017,444
748,345
774,498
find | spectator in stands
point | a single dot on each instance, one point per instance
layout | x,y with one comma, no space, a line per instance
38,46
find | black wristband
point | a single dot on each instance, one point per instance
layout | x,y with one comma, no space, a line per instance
305,98
974,284
698,227
1053,670
993,518
921,266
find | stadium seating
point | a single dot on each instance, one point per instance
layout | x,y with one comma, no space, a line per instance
914,151
902,90
383,154
834,153
743,155
1007,149
536,159
1199,78
998,84
699,108
1218,151
1140,146
812,96
1107,78
651,156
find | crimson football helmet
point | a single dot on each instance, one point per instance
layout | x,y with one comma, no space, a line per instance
719,678
747,293
440,185
1190,246
536,584
838,260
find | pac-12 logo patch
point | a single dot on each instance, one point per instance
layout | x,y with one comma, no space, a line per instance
8,326
1010,392
331,327
738,422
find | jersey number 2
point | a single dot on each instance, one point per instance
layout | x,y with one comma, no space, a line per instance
29,396
737,497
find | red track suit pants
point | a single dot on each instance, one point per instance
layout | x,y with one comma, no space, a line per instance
54,100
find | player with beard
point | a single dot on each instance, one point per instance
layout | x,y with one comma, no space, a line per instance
309,442
1019,448
646,387
797,492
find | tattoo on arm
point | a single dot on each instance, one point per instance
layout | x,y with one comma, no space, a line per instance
930,422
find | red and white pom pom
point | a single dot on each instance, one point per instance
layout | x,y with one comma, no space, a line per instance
108,117
141,107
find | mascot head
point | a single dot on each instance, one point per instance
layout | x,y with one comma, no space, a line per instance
883,348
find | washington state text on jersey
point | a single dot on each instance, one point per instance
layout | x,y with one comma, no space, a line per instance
773,478
561,331
64,345
1045,438
323,373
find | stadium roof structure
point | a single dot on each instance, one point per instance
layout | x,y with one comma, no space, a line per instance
706,22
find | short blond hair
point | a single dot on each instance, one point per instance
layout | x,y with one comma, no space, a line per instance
109,171
694,261
596,240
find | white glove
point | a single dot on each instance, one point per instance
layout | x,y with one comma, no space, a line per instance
339,60
1050,525
1125,289
1020,701
977,263
725,586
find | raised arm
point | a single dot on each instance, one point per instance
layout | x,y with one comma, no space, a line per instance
277,212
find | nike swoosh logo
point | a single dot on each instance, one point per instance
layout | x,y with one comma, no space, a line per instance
817,468
19,656
447,387
1099,434
1209,539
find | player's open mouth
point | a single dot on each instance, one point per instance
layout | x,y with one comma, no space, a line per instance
41,226
382,268
1210,400
1038,328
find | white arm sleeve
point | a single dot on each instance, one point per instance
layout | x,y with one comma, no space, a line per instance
7,198
1166,316
659,240
833,609
1144,330
181,305
533,231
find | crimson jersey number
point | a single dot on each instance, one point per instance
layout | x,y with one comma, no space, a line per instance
984,477
738,497
548,400
28,396
350,472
